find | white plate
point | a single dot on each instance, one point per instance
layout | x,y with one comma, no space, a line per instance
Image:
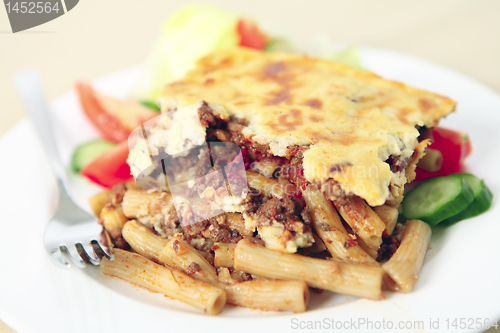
460,277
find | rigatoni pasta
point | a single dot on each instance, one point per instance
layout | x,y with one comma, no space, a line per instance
328,226
223,254
349,279
98,201
142,240
236,222
264,185
403,268
389,215
113,218
278,281
270,295
138,203
171,282
252,275
369,250
362,219
177,253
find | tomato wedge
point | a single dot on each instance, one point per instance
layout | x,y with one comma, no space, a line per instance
250,35
455,146
110,168
115,119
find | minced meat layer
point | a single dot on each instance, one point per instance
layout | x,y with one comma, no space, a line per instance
290,211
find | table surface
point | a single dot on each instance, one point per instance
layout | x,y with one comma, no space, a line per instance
99,37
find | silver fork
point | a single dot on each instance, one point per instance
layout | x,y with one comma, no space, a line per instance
70,235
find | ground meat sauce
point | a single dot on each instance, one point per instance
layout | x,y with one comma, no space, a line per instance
306,215
193,229
174,166
296,151
293,173
287,211
388,247
397,163
221,234
225,158
193,268
235,128
334,192
206,115
116,194
245,276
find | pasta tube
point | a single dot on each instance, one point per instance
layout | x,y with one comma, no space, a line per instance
432,161
235,221
363,220
371,251
329,228
98,201
389,215
405,264
174,253
113,218
143,240
266,167
135,268
138,202
223,254
344,278
184,257
262,184
270,295
178,254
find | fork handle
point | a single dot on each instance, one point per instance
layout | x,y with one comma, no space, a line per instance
29,85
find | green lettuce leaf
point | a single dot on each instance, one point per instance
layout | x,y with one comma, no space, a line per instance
188,35
349,56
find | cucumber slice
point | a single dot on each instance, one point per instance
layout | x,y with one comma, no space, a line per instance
437,199
151,105
280,45
482,199
87,152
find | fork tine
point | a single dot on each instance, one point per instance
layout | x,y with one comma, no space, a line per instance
63,250
99,251
84,255
58,259
69,258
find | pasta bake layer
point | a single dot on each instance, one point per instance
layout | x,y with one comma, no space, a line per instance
271,171
348,125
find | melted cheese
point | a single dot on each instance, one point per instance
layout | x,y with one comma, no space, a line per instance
275,238
176,132
349,120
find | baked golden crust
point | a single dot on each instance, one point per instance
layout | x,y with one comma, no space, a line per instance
350,120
